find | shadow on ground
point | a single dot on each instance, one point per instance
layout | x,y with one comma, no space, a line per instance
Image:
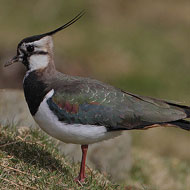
33,154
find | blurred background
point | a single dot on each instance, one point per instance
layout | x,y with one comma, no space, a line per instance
141,46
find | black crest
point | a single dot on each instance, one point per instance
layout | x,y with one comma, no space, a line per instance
38,37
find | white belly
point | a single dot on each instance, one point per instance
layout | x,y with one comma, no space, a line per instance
69,133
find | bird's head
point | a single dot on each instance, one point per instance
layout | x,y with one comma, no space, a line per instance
36,51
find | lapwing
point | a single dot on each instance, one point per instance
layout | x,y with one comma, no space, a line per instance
82,110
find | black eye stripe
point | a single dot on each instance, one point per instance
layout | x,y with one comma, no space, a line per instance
33,53
40,53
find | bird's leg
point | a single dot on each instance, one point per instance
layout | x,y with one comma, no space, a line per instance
82,176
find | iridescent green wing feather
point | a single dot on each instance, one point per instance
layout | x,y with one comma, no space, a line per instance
91,102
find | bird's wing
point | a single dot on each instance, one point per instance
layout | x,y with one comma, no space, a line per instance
94,103
149,111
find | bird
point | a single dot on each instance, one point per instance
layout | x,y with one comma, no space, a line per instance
81,110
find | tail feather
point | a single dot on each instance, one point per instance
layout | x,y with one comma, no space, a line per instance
183,124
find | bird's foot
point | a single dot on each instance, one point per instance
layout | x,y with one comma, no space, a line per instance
80,179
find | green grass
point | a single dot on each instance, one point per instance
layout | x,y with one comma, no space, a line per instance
30,160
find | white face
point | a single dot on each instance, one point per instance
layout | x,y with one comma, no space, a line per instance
35,55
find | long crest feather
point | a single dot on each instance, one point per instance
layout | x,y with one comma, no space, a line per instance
77,17
38,37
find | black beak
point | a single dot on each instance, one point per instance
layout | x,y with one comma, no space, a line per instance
11,61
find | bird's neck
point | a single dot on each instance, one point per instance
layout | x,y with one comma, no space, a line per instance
36,85
40,72
40,62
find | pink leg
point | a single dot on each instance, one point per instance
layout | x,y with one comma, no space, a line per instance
82,176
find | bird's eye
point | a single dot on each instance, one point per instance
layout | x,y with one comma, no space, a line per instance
30,48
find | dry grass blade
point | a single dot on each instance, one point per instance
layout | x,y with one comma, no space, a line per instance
7,144
14,169
18,185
